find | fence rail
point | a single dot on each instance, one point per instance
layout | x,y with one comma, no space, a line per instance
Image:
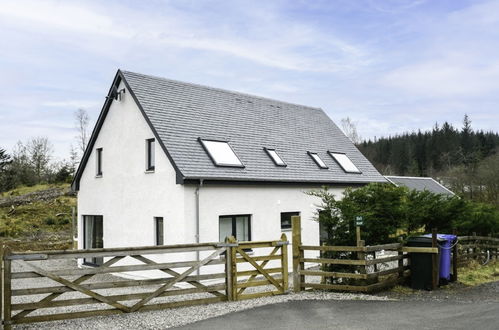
223,272
353,268
480,248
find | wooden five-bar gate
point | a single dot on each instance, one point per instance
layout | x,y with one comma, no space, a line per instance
40,286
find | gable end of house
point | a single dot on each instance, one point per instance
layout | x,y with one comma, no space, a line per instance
119,77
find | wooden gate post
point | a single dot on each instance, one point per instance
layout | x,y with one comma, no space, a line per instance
230,269
284,263
7,310
435,258
297,253
1,284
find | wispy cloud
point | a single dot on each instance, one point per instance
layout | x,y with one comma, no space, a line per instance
390,66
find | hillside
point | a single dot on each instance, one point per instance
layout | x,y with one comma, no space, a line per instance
431,152
37,217
466,161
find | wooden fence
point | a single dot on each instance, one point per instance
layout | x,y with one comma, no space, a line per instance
480,248
35,292
347,268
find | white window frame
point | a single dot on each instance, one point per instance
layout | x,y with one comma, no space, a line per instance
318,160
213,158
343,166
276,158
98,162
150,154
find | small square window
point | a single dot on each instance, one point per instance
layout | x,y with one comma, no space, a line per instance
317,160
221,153
98,163
275,157
286,219
346,164
150,155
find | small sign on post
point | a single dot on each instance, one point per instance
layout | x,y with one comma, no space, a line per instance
359,221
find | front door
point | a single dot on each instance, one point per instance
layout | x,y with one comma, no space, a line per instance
92,237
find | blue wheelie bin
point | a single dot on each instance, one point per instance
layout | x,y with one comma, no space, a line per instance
445,243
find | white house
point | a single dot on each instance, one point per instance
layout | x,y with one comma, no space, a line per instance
171,162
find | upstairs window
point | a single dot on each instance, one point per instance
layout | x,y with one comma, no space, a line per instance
275,157
150,155
346,164
98,163
221,153
317,160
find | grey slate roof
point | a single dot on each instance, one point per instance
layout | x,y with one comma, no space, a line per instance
183,112
420,184
180,113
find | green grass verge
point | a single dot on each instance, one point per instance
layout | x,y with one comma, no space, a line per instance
476,274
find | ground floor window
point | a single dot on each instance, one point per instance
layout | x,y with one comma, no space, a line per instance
158,223
286,219
93,236
238,226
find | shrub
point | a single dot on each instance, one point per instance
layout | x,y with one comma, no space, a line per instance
387,209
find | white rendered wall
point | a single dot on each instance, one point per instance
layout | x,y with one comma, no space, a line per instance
264,203
126,196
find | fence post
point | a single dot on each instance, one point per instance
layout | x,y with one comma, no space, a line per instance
475,250
435,259
297,253
454,258
1,284
284,263
228,270
233,267
7,289
401,260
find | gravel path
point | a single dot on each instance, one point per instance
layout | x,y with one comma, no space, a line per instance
161,319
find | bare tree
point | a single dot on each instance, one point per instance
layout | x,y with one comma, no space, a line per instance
81,121
73,160
39,152
350,130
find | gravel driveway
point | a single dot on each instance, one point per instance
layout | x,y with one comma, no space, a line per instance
155,319
168,318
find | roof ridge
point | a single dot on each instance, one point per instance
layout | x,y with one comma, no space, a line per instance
222,90
410,177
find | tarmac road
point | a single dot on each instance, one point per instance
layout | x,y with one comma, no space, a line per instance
358,314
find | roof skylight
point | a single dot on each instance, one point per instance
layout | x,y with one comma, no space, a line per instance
221,153
317,160
275,157
346,164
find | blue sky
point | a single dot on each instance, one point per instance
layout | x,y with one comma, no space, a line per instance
391,66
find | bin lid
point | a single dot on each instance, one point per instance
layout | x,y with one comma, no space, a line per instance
445,237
